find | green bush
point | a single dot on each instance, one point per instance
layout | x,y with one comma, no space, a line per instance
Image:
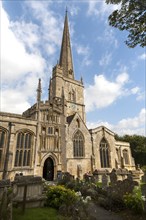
134,201
99,184
116,203
143,168
58,195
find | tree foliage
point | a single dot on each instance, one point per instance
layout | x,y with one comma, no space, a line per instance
138,147
131,16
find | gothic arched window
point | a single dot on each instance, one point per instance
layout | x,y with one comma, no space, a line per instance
2,145
23,149
104,154
125,156
78,145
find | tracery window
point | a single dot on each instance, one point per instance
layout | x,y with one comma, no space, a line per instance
23,149
125,156
104,154
78,144
2,145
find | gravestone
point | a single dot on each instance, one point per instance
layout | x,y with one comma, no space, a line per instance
144,177
105,180
88,177
59,175
136,175
130,177
113,177
66,176
96,176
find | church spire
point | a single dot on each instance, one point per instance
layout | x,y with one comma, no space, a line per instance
66,54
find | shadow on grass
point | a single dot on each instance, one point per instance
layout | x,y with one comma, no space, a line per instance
37,214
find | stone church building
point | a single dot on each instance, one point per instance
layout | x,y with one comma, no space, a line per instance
52,136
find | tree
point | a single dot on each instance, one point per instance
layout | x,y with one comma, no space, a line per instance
131,16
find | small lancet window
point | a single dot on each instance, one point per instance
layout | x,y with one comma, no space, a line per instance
77,123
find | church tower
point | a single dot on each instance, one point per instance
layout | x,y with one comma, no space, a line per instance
63,78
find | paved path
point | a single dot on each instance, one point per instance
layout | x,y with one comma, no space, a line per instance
98,213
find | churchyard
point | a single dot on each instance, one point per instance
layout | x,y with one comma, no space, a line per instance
115,195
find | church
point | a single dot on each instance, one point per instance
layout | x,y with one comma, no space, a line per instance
51,136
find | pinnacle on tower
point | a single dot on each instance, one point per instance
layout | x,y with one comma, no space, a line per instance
39,91
66,54
50,90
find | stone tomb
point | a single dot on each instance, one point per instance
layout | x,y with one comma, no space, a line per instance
5,200
29,190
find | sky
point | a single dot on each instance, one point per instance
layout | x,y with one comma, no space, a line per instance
113,74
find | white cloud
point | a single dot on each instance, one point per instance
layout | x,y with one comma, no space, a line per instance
51,23
108,37
85,52
135,90
82,50
140,94
101,9
122,78
15,60
74,10
133,122
23,45
129,126
11,96
106,59
142,56
28,33
104,92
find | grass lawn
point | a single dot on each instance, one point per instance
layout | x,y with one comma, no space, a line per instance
37,214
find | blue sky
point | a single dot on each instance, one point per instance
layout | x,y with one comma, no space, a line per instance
113,74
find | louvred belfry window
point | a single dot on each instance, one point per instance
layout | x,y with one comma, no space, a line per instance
23,149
